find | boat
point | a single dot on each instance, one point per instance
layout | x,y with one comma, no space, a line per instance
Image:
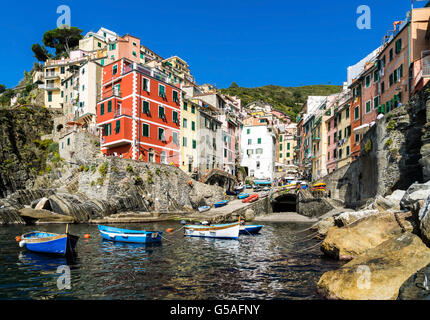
203,208
225,231
243,196
127,235
321,184
231,193
250,198
220,203
250,229
46,242
264,195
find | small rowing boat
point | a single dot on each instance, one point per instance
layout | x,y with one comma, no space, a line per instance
251,198
220,203
45,242
127,235
225,231
243,196
250,229
203,208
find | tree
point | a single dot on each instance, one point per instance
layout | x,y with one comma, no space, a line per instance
2,88
62,39
40,52
234,85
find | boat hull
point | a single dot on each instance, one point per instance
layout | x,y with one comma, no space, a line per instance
131,236
203,209
222,231
243,196
250,229
220,204
62,244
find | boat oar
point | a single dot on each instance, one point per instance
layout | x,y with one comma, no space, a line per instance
67,228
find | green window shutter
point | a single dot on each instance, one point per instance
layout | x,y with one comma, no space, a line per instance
184,141
259,140
145,130
161,112
114,69
288,146
49,96
248,131
175,96
194,144
280,155
193,109
401,71
368,106
161,91
280,138
118,126
145,107
288,154
184,123
193,125
280,147
109,109
161,134
249,141
102,109
185,106
175,117
145,85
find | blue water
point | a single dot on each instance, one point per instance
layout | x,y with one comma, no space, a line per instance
271,265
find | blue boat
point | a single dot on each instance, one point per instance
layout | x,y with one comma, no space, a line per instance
45,242
243,196
250,229
127,235
220,203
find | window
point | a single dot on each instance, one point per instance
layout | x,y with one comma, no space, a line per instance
49,96
349,130
141,55
249,152
175,138
161,134
62,94
102,62
184,123
288,154
288,146
249,141
145,107
184,141
163,157
99,44
134,53
398,46
194,144
357,138
83,87
175,117
391,79
118,126
248,131
280,138
259,151
347,113
102,109
382,87
368,80
376,102
151,156
347,150
161,113
83,70
280,155
280,147
340,153
391,54
108,129
259,140
109,108
134,43
175,96
62,70
161,91
68,141
145,130
356,112
145,84
368,106
185,106
114,69
340,134
375,76
193,125
193,109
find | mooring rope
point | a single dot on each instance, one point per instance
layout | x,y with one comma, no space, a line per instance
311,227
310,247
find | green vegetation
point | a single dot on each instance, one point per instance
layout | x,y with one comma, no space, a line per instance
129,169
157,171
391,125
368,146
103,169
286,99
138,181
149,177
100,181
388,142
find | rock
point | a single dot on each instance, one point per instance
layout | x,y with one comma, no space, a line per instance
424,220
347,218
44,216
417,286
384,204
324,225
249,215
378,273
396,196
41,204
352,240
415,193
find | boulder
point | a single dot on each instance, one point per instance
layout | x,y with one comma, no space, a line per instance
249,215
41,204
347,218
417,286
378,273
424,221
44,216
384,204
415,193
396,196
352,240
323,226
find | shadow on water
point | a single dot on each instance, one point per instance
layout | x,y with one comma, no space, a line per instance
268,265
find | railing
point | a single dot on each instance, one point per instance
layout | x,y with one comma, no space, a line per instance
50,75
111,93
51,87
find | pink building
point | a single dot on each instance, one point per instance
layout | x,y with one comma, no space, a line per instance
371,98
331,143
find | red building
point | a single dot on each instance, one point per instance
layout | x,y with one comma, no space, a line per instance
139,113
356,117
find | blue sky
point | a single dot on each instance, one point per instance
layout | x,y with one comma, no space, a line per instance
254,43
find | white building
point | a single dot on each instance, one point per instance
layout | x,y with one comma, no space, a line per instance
258,148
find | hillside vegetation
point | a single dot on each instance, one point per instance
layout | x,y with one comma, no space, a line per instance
285,99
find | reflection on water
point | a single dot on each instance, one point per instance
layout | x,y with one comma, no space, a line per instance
269,265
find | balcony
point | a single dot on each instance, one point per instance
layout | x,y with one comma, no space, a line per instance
110,93
316,138
51,75
51,87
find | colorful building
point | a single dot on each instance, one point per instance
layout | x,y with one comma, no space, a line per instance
139,113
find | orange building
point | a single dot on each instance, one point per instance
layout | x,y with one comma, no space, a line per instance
355,116
139,113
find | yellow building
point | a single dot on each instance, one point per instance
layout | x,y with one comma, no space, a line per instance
342,137
286,144
189,135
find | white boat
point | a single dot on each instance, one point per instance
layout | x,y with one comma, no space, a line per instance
226,231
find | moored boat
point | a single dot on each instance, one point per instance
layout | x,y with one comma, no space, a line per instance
243,196
250,229
251,198
127,235
225,231
46,242
203,208
220,203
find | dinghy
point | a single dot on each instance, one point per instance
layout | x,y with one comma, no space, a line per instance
225,231
250,229
220,203
203,208
45,242
243,196
127,235
251,198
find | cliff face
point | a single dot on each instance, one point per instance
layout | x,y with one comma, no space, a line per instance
22,155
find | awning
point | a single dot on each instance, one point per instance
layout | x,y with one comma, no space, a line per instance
262,182
361,129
